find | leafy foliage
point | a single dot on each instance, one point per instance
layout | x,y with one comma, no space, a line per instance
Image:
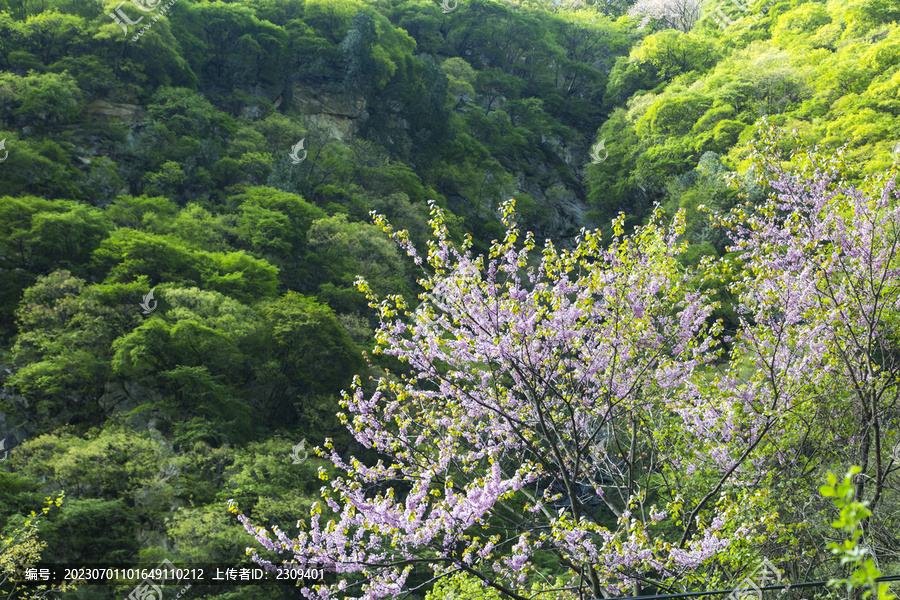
21,552
853,513
161,164
547,407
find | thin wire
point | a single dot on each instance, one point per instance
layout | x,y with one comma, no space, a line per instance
716,592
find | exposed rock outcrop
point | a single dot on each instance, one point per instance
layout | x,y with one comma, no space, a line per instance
127,114
335,113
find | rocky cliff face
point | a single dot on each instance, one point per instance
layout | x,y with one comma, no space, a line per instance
339,117
335,113
127,114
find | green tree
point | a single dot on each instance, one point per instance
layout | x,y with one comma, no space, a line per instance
127,255
184,112
853,514
195,354
668,54
309,355
142,213
52,35
613,185
46,100
240,50
672,116
331,18
795,27
274,225
63,348
38,236
342,250
460,76
11,36
40,168
462,587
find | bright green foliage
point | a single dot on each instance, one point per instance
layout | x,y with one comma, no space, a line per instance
461,588
23,550
64,346
798,26
672,116
671,53
827,69
345,250
193,356
52,35
47,101
465,587
38,236
461,77
310,352
274,225
163,163
128,255
873,13
853,514
151,214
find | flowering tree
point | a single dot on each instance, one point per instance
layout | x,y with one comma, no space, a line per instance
549,408
674,14
569,411
817,271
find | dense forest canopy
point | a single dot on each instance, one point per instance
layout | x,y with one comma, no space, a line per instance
575,298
